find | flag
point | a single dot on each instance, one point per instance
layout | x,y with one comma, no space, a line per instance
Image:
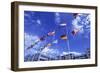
42,38
63,24
75,31
55,41
48,45
51,33
31,46
75,15
64,37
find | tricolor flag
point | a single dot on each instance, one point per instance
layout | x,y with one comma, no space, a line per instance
64,37
51,33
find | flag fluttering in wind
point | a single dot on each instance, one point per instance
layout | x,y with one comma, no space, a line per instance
33,45
64,37
42,38
75,31
63,24
75,15
48,45
55,42
51,33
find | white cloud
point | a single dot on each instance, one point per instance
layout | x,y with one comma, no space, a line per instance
64,53
82,22
57,14
28,40
38,21
29,20
30,52
57,18
46,50
50,52
81,30
27,15
75,53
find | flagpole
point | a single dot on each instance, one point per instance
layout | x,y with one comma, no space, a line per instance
68,45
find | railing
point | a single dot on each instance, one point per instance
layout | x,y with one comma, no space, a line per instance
36,57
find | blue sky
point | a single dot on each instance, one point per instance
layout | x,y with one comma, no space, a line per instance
38,24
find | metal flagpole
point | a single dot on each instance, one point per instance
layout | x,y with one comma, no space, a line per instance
68,45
